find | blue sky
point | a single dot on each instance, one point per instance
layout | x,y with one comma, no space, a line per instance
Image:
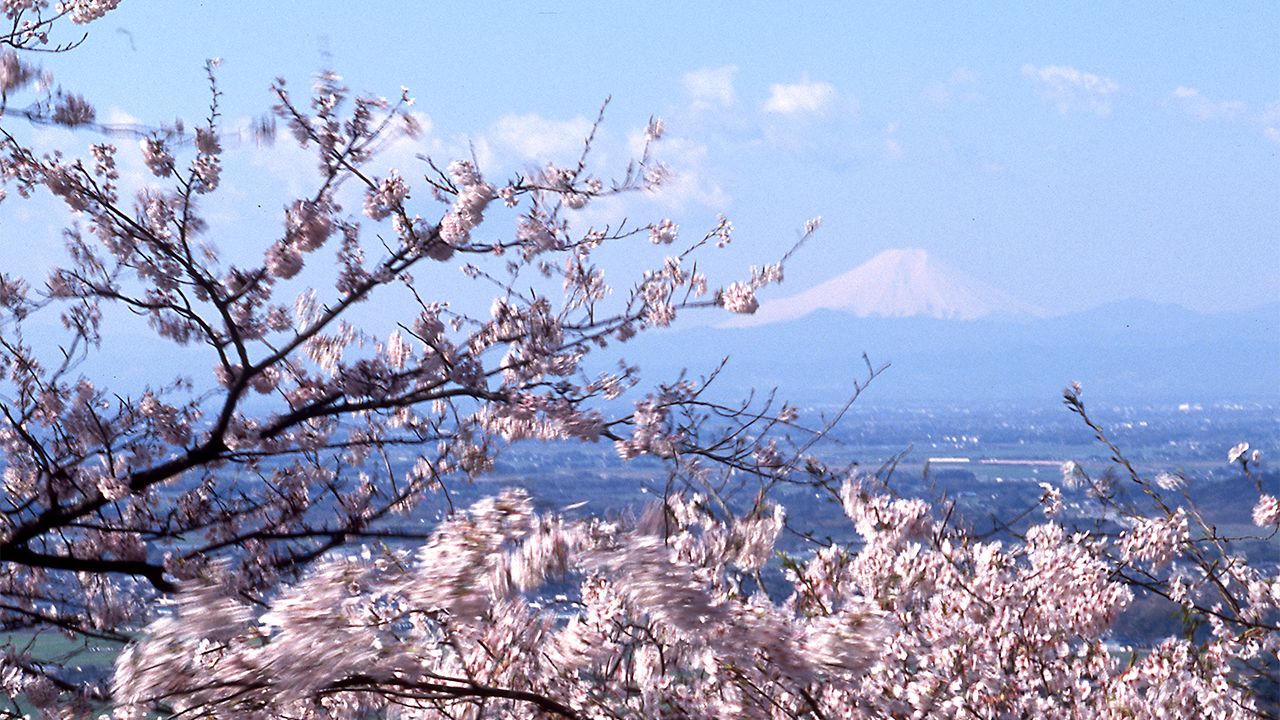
1069,155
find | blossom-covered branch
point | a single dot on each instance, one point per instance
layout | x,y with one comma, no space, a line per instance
114,496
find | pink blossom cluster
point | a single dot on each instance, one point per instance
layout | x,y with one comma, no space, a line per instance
86,11
1266,514
474,195
1155,540
740,297
668,612
652,605
30,21
385,196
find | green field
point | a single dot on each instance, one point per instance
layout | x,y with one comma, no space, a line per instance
46,646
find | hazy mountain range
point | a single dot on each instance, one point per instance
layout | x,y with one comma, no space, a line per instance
952,338
948,337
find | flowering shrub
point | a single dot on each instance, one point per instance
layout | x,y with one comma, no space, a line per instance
230,534
669,616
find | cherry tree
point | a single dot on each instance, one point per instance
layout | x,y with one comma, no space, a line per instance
115,498
671,617
235,531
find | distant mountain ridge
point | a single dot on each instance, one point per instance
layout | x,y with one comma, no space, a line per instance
897,283
1126,351
949,338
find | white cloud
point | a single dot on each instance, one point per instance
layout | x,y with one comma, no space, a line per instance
534,137
284,161
1192,102
1198,106
116,117
964,76
798,98
711,87
689,186
892,148
1070,89
1269,119
961,86
689,182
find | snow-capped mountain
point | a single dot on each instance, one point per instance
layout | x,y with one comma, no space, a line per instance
952,338
897,283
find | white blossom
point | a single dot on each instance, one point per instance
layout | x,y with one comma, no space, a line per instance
1266,513
740,298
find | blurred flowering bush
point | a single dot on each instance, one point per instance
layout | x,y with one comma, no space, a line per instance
233,533
670,618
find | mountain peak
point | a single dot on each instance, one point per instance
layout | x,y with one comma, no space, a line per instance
897,283
901,260
903,254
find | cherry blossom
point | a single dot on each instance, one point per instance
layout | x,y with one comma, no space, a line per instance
1267,512
232,532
